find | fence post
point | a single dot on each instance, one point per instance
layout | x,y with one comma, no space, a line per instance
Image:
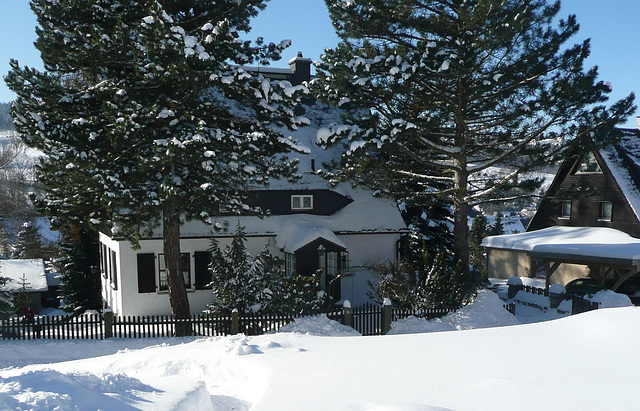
386,316
108,323
347,315
235,321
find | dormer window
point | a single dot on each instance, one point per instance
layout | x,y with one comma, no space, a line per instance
588,164
302,202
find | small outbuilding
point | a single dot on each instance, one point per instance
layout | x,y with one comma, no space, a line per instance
562,254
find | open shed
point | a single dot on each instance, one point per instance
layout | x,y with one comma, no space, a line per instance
562,254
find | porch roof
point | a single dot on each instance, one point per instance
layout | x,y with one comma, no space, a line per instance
579,245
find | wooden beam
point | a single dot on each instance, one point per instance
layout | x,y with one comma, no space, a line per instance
550,272
623,279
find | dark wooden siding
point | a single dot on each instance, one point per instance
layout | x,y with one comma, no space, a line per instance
278,202
585,191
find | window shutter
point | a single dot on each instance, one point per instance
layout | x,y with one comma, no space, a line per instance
201,268
146,273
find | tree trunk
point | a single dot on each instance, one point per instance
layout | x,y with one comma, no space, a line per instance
177,290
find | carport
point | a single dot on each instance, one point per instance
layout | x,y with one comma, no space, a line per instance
615,261
566,253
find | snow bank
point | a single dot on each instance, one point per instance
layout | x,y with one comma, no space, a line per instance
486,311
318,325
610,299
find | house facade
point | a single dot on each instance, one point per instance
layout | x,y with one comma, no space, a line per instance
596,189
312,225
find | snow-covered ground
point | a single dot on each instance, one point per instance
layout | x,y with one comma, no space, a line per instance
581,362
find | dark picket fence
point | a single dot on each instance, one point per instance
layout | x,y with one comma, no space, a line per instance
367,319
153,326
56,328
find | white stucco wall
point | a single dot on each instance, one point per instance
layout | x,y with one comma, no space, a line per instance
365,248
125,300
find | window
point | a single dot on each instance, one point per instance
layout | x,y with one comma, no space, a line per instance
565,209
114,270
605,211
185,267
588,164
289,263
301,202
103,260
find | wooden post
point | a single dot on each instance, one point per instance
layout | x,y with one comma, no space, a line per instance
235,321
108,323
347,315
386,316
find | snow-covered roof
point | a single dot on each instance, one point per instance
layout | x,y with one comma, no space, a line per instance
366,214
623,160
597,242
31,269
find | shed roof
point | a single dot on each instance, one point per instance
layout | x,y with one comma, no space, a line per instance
32,270
594,242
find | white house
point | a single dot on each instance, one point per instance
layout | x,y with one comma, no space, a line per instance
312,225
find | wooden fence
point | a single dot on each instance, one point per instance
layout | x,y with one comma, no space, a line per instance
368,319
578,304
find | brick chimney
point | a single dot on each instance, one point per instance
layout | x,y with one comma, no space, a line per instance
300,69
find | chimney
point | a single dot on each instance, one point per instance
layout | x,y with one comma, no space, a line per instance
300,69
638,122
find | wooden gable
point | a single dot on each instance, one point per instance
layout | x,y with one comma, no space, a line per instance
589,188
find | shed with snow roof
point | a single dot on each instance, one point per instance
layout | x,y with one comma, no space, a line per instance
588,223
28,274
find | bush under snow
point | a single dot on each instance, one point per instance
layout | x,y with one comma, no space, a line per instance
318,325
486,311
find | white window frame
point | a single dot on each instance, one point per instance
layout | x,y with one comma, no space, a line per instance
290,264
298,202
162,273
562,215
601,214
582,160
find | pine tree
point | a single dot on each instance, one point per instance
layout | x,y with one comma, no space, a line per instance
479,230
22,299
148,118
441,93
6,299
497,228
29,242
80,281
231,270
259,284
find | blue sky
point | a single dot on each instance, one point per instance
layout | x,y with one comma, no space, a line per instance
612,26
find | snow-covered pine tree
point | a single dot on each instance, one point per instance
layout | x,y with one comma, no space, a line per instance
232,284
6,299
165,123
29,242
80,282
497,228
479,230
440,93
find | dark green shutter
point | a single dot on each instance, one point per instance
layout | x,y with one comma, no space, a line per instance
146,273
201,266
